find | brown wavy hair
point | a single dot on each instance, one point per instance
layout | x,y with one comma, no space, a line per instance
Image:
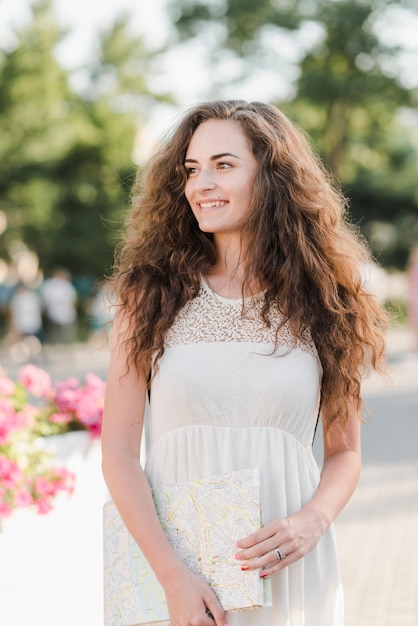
299,245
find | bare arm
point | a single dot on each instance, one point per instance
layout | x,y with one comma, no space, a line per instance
298,533
187,595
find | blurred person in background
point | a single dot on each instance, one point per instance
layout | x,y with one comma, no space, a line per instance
25,313
25,324
59,299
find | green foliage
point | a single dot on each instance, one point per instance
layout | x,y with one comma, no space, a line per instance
66,157
397,311
242,19
345,99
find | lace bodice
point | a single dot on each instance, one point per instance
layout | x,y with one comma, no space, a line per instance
212,318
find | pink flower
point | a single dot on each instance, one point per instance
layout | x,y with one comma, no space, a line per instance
70,383
65,480
7,410
65,394
5,510
94,382
4,433
10,473
44,505
90,401
38,483
95,430
9,420
7,386
60,418
85,404
27,414
35,380
44,487
23,497
66,399
89,407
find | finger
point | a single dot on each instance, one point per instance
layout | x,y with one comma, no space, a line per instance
258,550
215,611
207,619
270,558
218,617
279,554
287,559
262,534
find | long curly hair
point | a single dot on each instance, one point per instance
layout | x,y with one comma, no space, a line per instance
299,245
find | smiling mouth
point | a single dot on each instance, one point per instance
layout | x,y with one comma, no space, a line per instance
211,205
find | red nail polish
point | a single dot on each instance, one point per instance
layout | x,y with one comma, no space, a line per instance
244,568
263,575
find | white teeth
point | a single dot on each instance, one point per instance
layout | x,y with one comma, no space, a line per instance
209,205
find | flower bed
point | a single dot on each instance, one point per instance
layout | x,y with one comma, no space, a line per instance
32,408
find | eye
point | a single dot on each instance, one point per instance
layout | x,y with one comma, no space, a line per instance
190,170
223,165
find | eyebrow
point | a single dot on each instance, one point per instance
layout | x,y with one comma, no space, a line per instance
215,157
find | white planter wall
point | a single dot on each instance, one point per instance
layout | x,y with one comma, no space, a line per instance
51,565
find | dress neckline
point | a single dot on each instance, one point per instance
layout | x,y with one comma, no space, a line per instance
231,301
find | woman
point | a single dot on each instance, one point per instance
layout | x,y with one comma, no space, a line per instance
241,308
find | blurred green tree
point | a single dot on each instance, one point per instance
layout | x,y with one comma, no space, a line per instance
350,95
66,155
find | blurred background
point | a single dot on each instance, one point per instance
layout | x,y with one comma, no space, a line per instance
86,89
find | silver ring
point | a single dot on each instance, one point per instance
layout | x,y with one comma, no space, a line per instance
279,554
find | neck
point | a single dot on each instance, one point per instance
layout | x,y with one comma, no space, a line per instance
226,277
230,253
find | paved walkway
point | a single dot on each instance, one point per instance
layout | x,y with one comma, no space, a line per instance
50,567
378,530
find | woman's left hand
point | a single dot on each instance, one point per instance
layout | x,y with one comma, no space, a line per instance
292,536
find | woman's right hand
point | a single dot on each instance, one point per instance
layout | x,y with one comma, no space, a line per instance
191,602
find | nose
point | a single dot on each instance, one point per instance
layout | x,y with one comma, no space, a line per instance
205,181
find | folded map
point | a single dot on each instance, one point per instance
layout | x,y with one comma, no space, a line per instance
203,520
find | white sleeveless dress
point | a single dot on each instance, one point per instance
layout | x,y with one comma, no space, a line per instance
221,401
